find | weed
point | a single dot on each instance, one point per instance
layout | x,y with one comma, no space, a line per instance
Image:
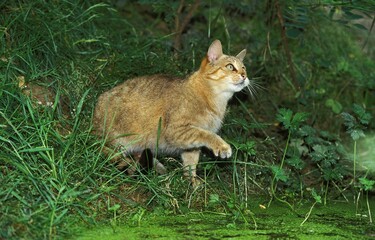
367,185
318,199
355,127
291,122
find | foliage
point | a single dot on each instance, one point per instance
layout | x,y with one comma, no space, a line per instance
367,184
291,122
356,125
309,148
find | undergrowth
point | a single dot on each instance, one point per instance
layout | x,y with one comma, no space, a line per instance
290,145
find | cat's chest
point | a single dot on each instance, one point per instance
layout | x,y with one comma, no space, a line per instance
212,122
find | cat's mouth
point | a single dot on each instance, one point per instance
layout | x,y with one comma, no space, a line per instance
242,82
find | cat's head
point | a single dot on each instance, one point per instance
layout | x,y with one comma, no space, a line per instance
225,73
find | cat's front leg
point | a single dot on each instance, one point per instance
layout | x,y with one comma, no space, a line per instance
189,137
221,149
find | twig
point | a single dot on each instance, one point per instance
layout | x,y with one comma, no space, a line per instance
369,33
286,45
368,207
181,26
308,214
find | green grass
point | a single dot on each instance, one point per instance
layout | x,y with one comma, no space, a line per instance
53,175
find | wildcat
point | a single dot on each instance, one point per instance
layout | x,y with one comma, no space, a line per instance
178,116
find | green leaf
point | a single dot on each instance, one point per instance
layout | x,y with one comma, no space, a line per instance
367,183
335,173
114,208
356,134
317,197
293,32
279,173
248,147
360,26
291,122
285,117
319,153
327,135
299,118
297,148
296,162
334,105
214,198
307,130
362,115
349,120
352,16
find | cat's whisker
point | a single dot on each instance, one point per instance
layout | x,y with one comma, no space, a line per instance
256,84
251,91
253,88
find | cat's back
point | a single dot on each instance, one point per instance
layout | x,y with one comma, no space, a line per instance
140,101
147,87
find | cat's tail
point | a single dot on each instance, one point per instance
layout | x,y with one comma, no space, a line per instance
147,162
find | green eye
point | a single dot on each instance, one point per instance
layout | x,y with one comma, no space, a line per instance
230,67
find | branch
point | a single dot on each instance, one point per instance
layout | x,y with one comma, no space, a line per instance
180,27
286,46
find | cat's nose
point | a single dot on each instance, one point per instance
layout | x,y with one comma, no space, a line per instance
243,75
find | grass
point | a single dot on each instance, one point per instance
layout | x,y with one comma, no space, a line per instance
52,172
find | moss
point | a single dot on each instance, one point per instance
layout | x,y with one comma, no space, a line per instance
337,220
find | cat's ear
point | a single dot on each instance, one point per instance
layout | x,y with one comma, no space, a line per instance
215,51
241,55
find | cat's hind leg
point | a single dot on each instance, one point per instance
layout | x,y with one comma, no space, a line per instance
190,160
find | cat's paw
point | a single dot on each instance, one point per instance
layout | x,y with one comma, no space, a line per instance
223,151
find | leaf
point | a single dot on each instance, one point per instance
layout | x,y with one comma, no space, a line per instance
360,26
349,120
307,130
320,149
300,117
297,147
285,117
362,115
319,153
248,147
290,122
352,16
356,134
334,105
279,173
293,32
214,198
114,207
296,162
317,197
327,135
367,183
313,140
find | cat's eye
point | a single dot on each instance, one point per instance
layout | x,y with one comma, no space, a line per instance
230,67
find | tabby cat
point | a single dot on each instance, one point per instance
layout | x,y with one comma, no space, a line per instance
174,115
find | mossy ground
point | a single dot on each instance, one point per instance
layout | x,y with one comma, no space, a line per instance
336,220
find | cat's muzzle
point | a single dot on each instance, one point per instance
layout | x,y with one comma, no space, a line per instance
244,82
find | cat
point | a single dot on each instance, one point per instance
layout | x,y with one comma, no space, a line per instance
174,115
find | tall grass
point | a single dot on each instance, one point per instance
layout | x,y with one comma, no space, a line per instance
41,146
52,172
